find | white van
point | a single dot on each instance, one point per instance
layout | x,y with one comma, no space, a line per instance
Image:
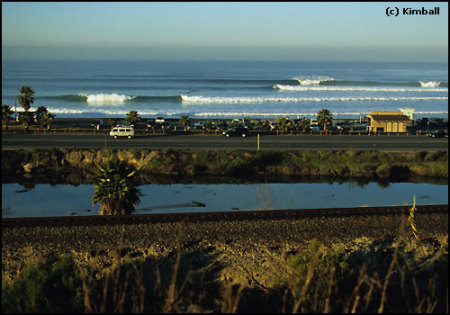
122,131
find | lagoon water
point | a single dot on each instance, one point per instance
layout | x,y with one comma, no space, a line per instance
64,200
228,89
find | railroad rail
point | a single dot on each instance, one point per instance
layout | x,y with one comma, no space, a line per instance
218,216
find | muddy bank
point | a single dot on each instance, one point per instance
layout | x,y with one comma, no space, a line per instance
75,166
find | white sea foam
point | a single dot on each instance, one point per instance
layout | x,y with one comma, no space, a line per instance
106,98
312,80
282,87
429,84
245,100
249,113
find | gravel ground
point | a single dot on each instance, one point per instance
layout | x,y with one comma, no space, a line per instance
248,252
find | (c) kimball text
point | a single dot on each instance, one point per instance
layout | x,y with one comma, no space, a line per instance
410,11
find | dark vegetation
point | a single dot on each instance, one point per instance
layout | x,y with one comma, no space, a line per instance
77,166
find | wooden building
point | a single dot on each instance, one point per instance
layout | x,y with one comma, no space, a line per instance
388,122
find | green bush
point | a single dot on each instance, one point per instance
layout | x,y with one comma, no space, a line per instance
51,285
322,265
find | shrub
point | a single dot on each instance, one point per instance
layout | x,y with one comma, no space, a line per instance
313,269
49,285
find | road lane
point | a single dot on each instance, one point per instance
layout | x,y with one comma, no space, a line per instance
268,142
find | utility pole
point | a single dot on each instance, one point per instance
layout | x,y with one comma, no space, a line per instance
258,142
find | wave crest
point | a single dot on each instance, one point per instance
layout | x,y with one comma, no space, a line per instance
312,80
429,83
365,89
238,100
106,98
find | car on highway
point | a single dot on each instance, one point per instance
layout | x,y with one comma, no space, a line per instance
122,131
236,132
438,134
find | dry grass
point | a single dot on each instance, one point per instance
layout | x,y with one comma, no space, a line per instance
402,274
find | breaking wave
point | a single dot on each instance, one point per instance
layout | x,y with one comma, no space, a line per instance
431,84
106,98
246,100
312,80
365,89
328,81
110,98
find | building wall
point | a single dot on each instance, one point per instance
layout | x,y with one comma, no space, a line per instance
388,126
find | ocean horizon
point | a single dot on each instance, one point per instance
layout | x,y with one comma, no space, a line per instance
227,89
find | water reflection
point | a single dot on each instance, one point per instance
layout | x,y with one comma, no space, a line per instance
66,200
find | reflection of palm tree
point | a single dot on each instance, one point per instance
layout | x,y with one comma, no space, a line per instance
116,188
324,118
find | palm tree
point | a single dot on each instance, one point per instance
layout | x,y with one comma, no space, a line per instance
26,118
324,118
184,121
26,99
47,119
6,115
208,126
284,123
133,117
116,191
39,112
304,124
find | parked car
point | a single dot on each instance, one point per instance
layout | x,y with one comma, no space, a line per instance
438,134
122,131
221,127
159,120
314,128
236,132
163,125
151,124
197,125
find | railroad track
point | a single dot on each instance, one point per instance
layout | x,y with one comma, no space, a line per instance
218,216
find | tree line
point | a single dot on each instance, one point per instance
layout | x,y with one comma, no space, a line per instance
41,115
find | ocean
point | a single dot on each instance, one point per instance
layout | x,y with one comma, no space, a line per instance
228,89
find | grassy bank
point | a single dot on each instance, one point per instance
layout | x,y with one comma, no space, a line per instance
374,264
75,166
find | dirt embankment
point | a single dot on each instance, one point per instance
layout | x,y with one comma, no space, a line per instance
256,255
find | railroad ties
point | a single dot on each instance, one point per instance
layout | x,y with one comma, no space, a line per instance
218,216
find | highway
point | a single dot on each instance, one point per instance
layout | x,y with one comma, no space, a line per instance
266,142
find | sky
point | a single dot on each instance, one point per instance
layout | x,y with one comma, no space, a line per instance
334,31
